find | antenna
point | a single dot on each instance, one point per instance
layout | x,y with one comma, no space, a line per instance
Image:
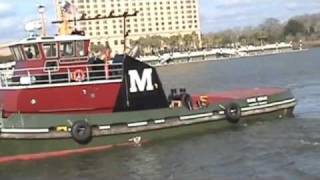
100,17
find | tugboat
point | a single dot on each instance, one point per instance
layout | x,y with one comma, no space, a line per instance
60,101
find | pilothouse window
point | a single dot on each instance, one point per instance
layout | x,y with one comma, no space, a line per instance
80,49
50,50
66,49
17,53
31,51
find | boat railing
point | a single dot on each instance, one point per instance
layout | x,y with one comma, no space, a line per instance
52,75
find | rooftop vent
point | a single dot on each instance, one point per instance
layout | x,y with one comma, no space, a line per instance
31,39
46,38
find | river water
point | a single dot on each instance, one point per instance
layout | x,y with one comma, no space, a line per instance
275,149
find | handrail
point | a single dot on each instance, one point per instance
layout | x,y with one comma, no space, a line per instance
61,74
73,66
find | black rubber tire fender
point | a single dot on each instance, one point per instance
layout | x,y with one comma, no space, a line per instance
81,132
233,113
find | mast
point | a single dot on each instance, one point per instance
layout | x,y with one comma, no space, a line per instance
41,11
64,27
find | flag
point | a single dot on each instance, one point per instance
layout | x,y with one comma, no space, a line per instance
68,7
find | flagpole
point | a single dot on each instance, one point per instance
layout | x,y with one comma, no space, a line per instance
74,13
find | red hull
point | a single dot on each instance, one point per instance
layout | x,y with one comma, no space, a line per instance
77,98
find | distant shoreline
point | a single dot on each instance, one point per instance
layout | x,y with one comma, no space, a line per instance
233,58
5,59
312,44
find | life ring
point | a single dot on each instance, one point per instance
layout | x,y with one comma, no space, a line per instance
187,101
233,113
78,75
81,132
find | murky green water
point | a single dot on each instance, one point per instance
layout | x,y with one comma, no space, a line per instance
276,149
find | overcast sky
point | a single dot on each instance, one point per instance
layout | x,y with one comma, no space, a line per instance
216,15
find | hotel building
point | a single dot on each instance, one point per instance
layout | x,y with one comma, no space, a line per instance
155,17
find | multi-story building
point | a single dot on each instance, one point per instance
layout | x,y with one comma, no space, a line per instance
155,17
